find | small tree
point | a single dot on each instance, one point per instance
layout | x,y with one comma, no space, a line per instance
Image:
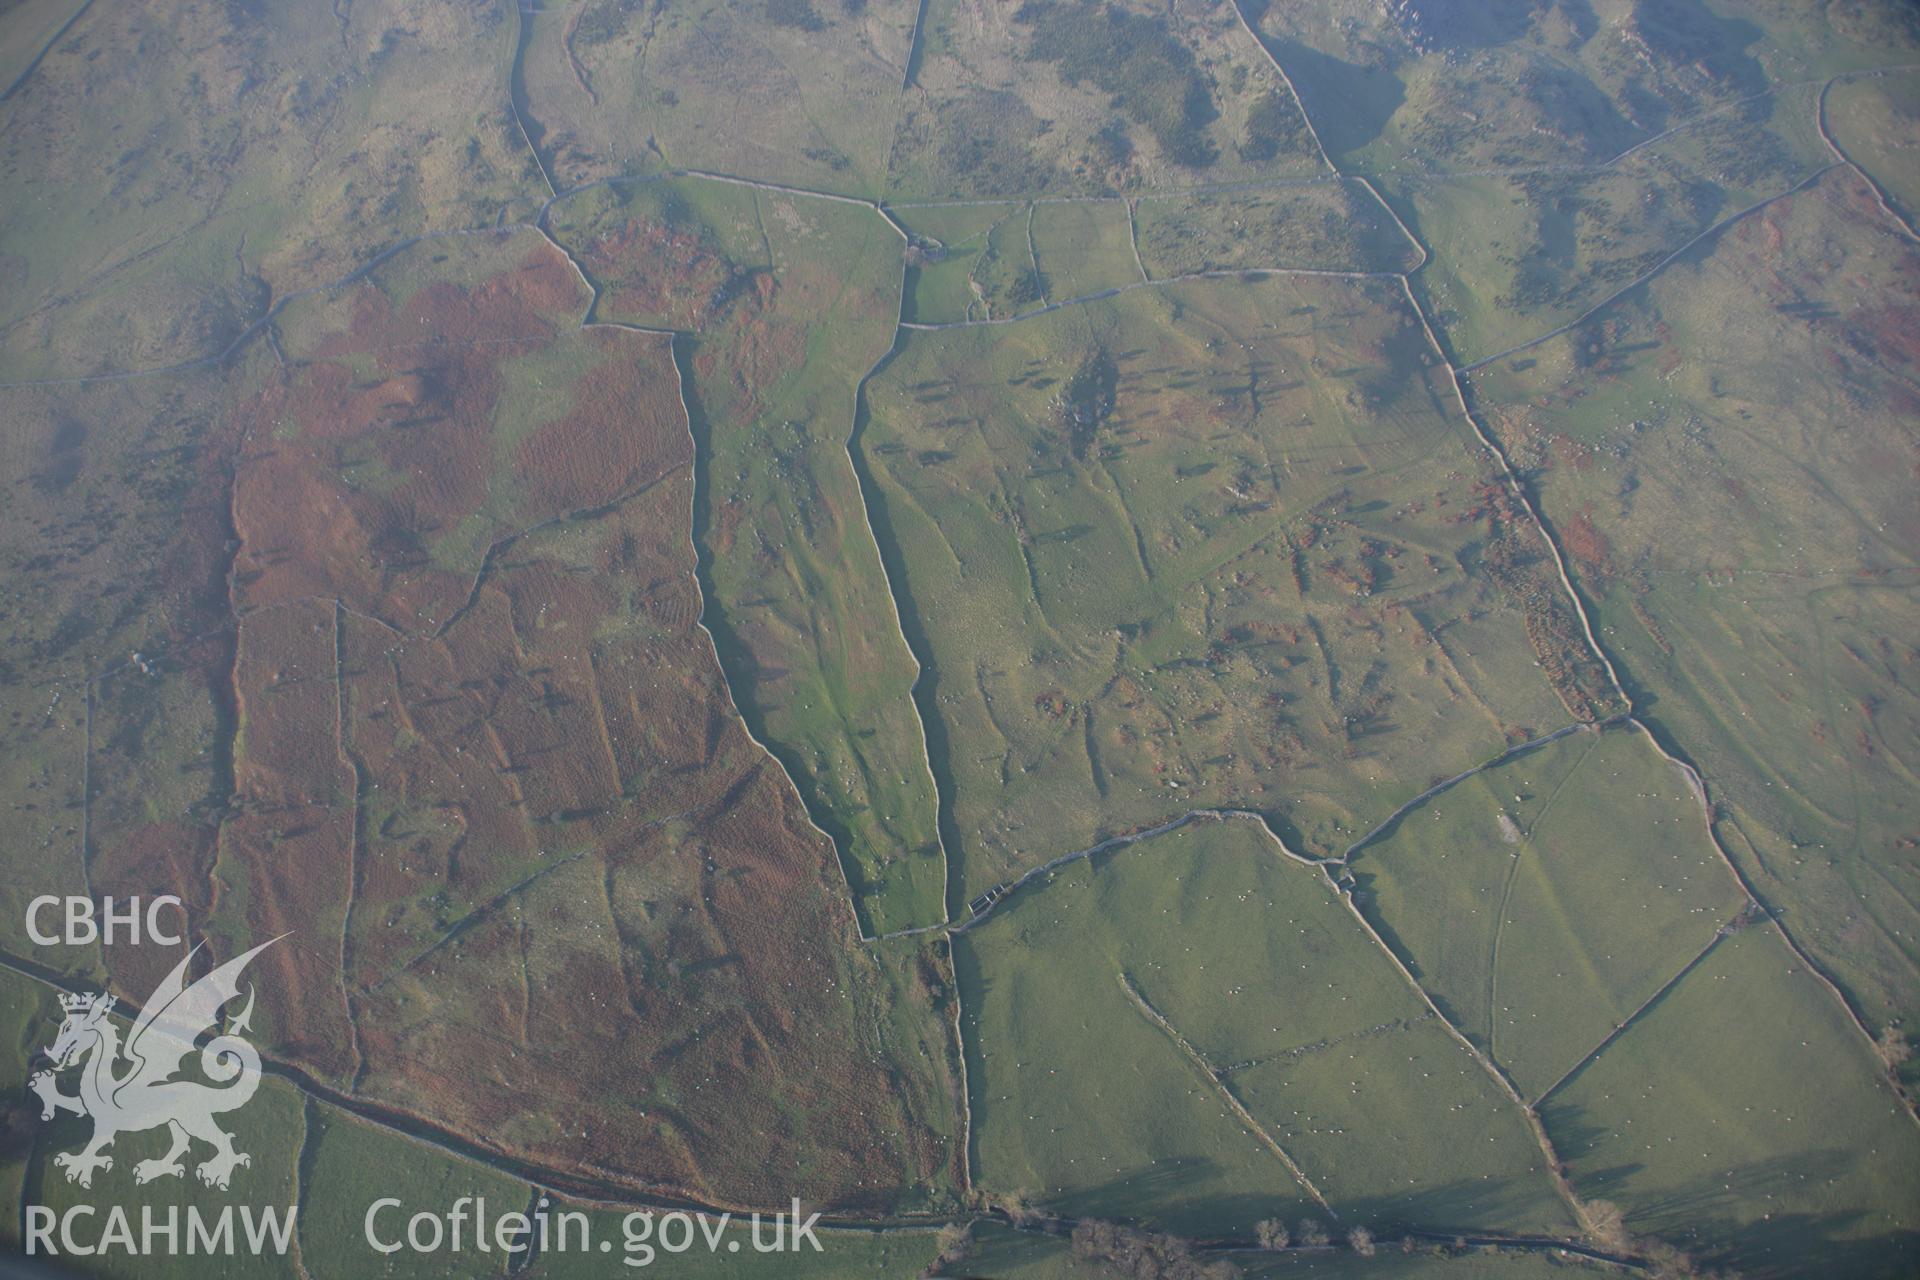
1272,1233
1360,1240
956,1244
1311,1234
1664,1262
1894,1049
1608,1226
1093,1239
1018,1205
1133,1254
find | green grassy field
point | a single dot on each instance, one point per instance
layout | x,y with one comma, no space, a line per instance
268,1130
1332,226
1515,256
1745,1120
1716,451
1877,122
1201,545
27,1025
1544,900
1086,1102
974,265
1084,248
347,1164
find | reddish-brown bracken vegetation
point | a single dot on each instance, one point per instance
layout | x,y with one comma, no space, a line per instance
540,884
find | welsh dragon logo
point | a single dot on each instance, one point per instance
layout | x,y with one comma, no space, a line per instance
131,1088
